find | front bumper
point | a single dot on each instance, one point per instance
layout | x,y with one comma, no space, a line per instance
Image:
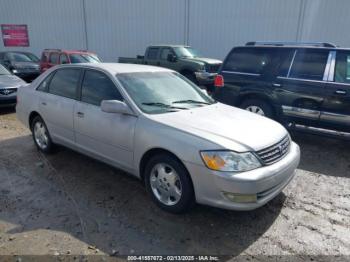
8,101
265,182
27,75
205,78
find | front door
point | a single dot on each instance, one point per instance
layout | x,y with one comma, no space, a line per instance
105,135
164,62
301,90
336,107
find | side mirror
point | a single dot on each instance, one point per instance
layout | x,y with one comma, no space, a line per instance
171,58
115,106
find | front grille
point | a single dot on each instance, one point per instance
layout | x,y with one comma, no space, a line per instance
7,91
275,152
213,68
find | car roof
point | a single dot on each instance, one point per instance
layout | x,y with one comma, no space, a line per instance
165,45
67,51
118,68
295,47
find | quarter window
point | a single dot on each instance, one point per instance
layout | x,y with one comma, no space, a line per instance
248,60
64,83
97,87
152,53
54,58
342,68
44,84
309,64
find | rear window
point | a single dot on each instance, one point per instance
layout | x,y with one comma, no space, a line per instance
64,83
248,60
309,64
54,58
152,53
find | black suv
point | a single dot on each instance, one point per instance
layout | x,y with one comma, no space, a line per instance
305,84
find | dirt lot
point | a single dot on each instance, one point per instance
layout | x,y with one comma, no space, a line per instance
67,203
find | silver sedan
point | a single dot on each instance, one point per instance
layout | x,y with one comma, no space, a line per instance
158,126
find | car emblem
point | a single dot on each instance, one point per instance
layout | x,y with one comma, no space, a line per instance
6,92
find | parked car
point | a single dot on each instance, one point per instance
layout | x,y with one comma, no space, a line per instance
307,84
52,57
23,64
157,125
183,59
9,84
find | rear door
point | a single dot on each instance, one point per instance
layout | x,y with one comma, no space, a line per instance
243,73
57,103
300,85
336,107
152,56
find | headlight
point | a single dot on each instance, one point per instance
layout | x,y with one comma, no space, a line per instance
14,71
230,161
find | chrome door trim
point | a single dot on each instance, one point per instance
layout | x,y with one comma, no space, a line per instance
240,73
291,63
336,118
301,79
301,112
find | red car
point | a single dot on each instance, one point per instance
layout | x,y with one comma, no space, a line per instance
52,57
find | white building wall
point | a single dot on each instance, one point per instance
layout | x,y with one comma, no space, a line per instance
51,24
116,28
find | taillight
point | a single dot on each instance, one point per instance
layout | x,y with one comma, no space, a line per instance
219,81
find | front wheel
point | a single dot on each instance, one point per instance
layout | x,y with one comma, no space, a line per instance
169,184
259,107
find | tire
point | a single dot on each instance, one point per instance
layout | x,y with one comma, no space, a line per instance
41,135
191,76
165,177
258,106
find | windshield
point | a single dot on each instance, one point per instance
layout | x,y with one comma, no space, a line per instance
4,71
161,92
23,57
186,52
83,58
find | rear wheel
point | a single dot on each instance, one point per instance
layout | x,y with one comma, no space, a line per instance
257,106
41,135
169,184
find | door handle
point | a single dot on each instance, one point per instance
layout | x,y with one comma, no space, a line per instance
43,103
80,114
276,85
340,92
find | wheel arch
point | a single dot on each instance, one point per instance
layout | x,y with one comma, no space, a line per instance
260,96
32,115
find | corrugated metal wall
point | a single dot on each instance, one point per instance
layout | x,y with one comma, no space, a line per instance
115,28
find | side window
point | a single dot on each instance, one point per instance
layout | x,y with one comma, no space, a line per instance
63,59
96,87
248,60
64,83
152,53
342,67
44,57
165,52
54,58
45,84
309,64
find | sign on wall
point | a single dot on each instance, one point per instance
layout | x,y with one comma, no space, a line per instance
15,35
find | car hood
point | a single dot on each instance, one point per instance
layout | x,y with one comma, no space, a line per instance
205,60
229,127
31,65
10,81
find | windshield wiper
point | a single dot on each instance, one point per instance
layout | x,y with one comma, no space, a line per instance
159,104
189,101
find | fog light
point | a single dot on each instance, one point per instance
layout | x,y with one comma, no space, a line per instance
241,198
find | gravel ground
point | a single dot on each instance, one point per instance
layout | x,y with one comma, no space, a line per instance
67,203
